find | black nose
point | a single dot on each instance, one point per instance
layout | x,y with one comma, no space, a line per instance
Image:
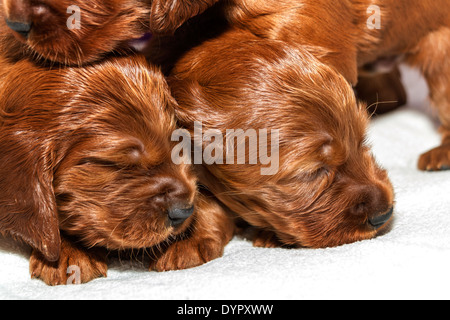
177,215
379,221
22,28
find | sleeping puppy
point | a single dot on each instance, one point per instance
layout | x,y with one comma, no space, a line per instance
86,168
77,32
289,66
312,181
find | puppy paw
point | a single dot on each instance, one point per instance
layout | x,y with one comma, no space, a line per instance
75,266
266,239
437,159
187,254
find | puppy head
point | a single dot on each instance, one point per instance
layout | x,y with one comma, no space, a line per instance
329,189
72,32
87,151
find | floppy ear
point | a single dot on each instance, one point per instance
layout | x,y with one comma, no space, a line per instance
168,15
27,202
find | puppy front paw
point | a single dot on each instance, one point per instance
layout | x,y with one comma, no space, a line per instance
187,254
75,266
266,239
437,159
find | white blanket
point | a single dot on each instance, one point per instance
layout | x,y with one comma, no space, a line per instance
410,262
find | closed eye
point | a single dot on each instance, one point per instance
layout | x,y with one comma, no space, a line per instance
98,162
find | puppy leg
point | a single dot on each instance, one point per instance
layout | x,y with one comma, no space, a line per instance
432,58
75,265
437,159
212,229
260,238
266,239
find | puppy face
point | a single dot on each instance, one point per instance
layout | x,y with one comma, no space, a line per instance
90,159
124,195
73,32
328,189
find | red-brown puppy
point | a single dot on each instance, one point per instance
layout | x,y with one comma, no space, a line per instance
312,181
233,81
86,164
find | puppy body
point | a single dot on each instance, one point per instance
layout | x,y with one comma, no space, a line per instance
87,165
